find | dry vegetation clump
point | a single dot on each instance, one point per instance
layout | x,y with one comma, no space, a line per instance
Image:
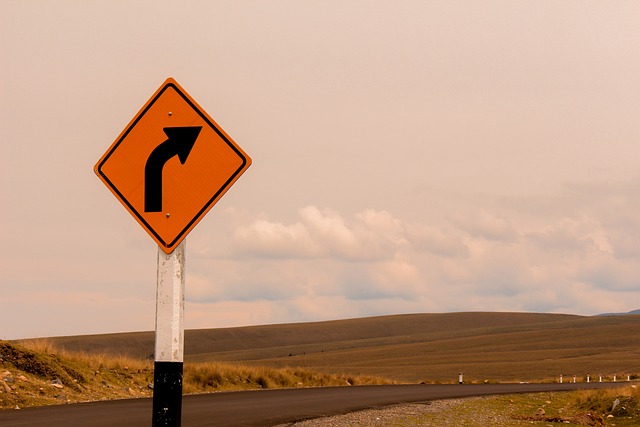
619,403
206,377
603,407
44,365
35,372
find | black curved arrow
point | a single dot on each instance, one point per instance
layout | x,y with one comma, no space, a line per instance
180,143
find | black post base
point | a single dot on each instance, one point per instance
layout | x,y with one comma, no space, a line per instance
167,394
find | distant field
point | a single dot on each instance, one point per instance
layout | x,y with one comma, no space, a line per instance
503,347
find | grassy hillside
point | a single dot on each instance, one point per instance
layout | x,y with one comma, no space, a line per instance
414,348
38,373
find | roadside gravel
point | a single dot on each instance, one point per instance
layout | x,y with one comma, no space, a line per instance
438,413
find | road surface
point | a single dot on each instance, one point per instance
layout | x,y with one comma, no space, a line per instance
265,407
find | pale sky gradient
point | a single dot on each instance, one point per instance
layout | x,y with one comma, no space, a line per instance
408,156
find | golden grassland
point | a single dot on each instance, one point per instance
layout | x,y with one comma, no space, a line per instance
493,347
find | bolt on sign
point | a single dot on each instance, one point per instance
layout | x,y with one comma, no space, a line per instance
171,164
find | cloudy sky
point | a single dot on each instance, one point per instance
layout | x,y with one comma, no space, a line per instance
408,156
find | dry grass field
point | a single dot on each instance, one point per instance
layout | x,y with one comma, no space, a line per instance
36,373
494,347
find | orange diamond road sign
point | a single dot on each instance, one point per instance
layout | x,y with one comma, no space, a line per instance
170,165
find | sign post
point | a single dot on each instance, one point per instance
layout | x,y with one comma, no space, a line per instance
168,168
169,349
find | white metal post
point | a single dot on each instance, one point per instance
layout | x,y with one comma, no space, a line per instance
169,348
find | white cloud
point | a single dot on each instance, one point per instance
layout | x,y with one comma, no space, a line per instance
567,235
604,272
273,239
485,225
497,260
370,235
446,243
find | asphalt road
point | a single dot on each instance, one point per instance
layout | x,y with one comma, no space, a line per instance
265,407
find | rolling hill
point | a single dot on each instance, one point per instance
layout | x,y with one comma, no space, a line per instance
485,346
